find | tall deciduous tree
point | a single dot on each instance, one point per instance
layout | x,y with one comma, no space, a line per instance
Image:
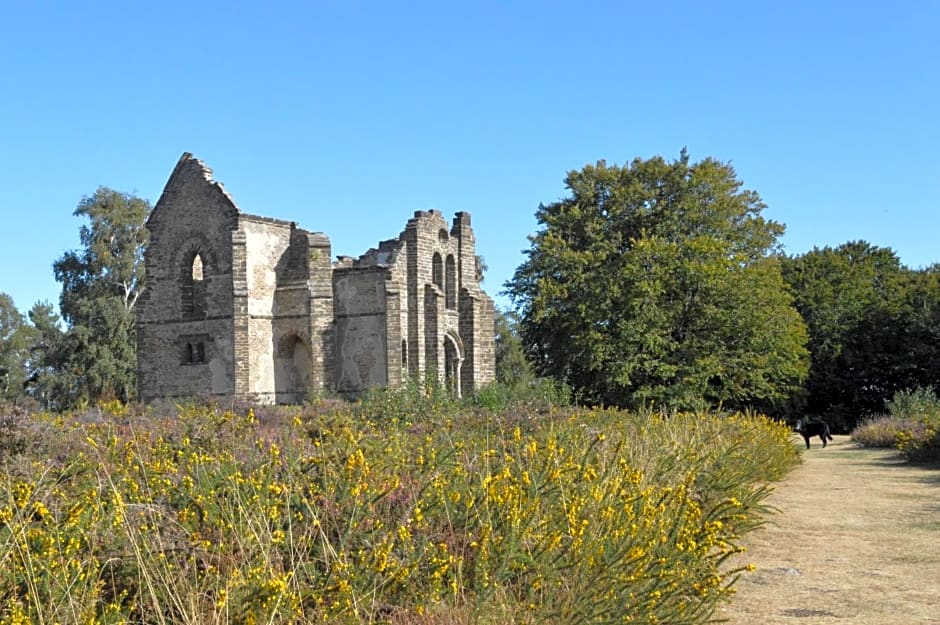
658,282
101,283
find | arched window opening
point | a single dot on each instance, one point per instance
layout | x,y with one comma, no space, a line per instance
199,288
437,271
451,291
404,356
193,288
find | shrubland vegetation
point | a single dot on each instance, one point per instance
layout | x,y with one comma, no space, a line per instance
911,425
407,507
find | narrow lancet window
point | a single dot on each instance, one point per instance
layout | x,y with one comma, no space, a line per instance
193,285
451,291
437,271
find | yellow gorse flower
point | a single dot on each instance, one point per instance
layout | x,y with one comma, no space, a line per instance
327,517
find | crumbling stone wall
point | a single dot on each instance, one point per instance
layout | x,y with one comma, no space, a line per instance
361,320
247,306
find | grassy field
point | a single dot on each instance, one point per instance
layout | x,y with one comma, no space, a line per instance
395,510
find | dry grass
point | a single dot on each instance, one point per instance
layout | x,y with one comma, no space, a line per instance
857,540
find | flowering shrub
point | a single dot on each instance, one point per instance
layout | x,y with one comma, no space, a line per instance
912,426
318,514
920,441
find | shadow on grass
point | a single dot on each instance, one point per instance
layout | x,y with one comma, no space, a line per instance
931,473
879,457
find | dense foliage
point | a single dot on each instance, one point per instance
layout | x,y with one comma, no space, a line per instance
658,283
874,328
324,515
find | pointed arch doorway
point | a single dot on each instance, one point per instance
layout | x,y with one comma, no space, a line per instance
292,367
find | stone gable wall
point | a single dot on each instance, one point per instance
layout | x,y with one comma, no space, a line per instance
166,334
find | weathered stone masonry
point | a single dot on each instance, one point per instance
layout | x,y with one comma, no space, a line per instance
250,307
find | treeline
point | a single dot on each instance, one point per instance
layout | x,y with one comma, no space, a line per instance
661,283
656,283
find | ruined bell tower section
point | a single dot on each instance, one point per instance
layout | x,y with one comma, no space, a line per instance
449,331
477,313
412,308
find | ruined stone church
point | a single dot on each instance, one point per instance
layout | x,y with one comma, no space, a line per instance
248,307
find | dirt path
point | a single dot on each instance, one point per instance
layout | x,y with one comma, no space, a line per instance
856,540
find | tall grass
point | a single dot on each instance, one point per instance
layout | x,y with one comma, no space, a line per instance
412,513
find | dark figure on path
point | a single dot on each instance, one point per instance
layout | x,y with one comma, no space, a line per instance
811,429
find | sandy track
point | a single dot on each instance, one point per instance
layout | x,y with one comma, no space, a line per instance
856,540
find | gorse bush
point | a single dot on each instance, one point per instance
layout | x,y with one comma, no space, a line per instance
918,437
921,442
320,515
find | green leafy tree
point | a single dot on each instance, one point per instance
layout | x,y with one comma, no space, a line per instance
101,283
15,339
658,282
874,328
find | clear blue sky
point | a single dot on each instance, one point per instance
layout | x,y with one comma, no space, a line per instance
348,116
